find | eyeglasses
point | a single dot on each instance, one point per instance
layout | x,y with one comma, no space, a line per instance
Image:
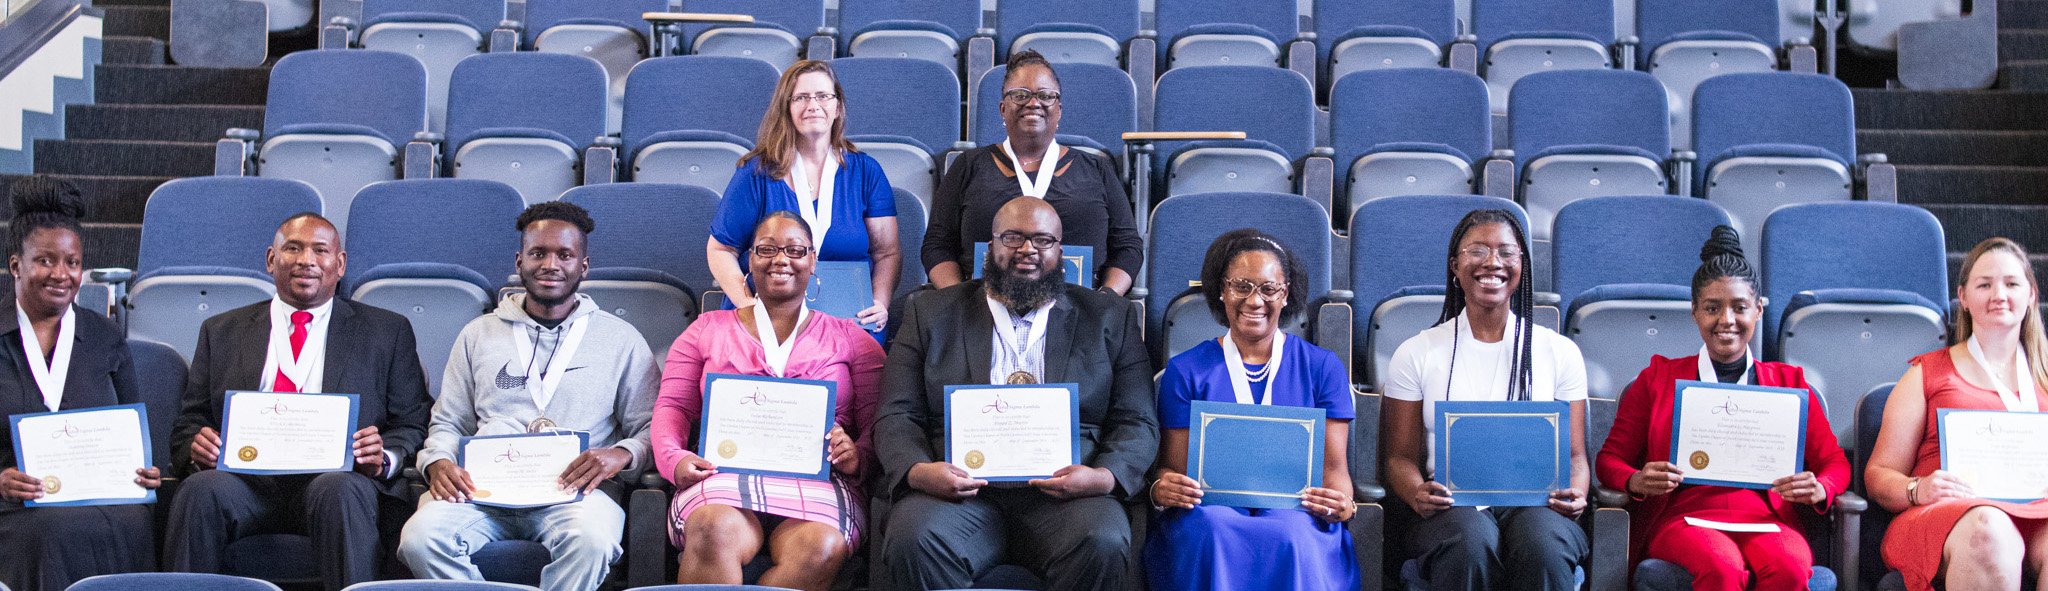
1243,288
768,251
822,97
1017,240
1023,96
1476,253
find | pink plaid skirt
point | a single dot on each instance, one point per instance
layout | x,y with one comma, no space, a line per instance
833,503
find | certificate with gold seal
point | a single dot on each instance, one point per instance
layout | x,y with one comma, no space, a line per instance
288,433
1012,432
1997,452
767,425
85,457
521,471
1735,435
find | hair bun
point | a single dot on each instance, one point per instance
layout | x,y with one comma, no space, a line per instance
42,194
1725,241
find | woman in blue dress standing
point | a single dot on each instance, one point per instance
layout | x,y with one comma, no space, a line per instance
1250,281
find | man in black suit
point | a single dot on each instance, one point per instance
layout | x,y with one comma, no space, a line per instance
304,340
946,528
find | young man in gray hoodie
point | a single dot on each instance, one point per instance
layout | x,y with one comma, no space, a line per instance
547,359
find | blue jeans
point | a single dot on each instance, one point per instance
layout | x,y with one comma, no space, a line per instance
582,536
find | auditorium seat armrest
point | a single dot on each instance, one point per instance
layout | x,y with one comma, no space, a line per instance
1301,57
1368,493
1880,178
1141,62
505,38
1499,174
1682,164
423,155
337,33
235,153
1848,534
1463,55
1851,504
1625,52
601,160
1318,173
1545,298
980,56
823,45
1801,57
1607,497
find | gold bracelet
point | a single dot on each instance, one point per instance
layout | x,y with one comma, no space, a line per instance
1913,492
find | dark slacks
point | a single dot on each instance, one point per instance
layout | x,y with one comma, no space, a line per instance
49,548
1076,545
1470,549
338,510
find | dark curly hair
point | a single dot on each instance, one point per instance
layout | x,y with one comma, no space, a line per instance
1721,257
1028,58
1521,303
42,202
1228,247
557,210
784,214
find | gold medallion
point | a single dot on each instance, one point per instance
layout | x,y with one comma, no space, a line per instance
540,425
247,453
51,485
481,494
1021,377
1699,460
727,449
975,460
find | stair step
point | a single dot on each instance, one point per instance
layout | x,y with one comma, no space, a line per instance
2022,14
178,123
115,199
2026,75
1948,146
146,51
1949,109
124,157
1955,265
2022,44
112,245
1923,184
180,85
1967,224
138,21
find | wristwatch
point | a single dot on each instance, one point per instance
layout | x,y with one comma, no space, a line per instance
1913,491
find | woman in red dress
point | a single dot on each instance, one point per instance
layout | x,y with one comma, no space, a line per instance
1943,531
1724,304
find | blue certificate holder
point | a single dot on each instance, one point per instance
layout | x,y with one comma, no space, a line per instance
148,454
1255,456
462,459
1080,262
1073,415
715,451
840,288
1698,460
348,458
1507,454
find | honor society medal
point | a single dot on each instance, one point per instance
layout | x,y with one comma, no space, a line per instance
1021,377
540,425
1699,460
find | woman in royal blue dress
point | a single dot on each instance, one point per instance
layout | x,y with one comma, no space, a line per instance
1249,280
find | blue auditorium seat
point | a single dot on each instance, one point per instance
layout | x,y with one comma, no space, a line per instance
523,119
161,376
1685,42
910,224
778,35
1522,37
1587,133
1398,245
1408,132
932,30
437,585
1274,107
203,240
896,96
1176,313
688,119
435,251
1092,31
610,32
170,582
1773,139
337,120
647,254
1857,290
439,34
1869,547
1624,267
910,165
1377,34
1096,102
1238,33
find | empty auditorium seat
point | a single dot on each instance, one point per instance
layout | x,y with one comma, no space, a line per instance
1523,37
1378,34
438,34
1587,133
1178,316
897,96
1092,31
780,31
910,223
437,585
1408,132
337,120
610,32
435,251
932,30
1624,267
1857,290
1774,139
1274,107
688,119
1238,33
1685,42
1096,101
909,164
1398,245
170,582
202,252
523,119
647,254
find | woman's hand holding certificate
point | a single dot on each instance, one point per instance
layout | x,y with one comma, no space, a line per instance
764,425
1740,436
83,457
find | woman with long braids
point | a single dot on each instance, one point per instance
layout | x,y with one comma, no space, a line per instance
1726,308
1484,347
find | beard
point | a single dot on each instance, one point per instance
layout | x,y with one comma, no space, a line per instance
1019,293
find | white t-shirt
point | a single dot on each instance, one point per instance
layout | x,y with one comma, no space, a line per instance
1421,370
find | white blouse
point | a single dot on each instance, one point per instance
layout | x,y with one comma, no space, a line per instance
1421,370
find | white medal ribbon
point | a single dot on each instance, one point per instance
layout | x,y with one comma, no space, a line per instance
49,378
1046,167
818,213
295,368
1001,316
543,384
1707,368
1240,382
777,352
2012,398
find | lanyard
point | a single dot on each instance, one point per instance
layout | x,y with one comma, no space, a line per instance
49,378
1241,383
1707,368
543,384
819,212
2013,399
1046,166
777,352
1002,316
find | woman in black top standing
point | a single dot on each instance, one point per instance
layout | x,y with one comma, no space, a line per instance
1083,187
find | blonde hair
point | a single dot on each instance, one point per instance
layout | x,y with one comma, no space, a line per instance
2032,340
778,135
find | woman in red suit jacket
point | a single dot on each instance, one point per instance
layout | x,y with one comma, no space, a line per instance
1724,304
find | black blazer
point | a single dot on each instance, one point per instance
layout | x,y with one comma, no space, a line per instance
102,373
1092,339
370,353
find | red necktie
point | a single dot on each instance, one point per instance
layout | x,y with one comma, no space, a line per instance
299,320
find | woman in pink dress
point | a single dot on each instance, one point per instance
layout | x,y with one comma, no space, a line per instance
1945,536
721,521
